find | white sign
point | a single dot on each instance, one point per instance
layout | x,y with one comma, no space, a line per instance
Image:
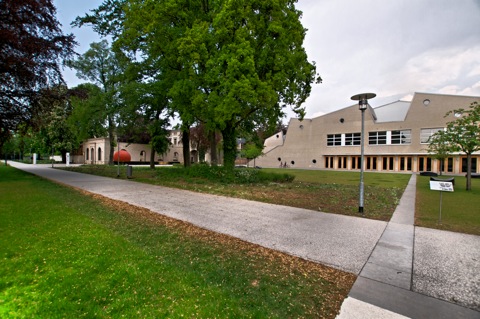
441,186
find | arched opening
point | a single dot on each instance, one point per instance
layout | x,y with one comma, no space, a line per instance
194,156
99,157
86,154
92,153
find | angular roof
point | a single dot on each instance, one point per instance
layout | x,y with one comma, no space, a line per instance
392,112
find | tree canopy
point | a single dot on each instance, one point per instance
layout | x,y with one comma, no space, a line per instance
460,136
102,67
464,134
230,65
32,48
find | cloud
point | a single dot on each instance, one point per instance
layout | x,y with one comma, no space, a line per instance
392,48
443,69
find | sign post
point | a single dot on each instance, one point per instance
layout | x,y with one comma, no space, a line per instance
442,187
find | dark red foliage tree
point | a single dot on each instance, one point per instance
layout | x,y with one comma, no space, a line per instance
32,49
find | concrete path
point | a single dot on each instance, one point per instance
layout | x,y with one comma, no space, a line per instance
406,277
403,271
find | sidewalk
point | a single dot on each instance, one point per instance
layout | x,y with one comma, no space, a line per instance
398,274
390,284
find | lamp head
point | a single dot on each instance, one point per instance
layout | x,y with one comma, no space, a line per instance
363,100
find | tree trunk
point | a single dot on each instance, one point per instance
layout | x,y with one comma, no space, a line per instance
213,149
186,147
229,147
111,139
152,159
469,172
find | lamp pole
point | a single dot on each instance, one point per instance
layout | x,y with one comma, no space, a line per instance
362,105
118,158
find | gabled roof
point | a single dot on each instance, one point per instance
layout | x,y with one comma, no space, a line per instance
392,112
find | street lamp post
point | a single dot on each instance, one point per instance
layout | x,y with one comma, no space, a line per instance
362,105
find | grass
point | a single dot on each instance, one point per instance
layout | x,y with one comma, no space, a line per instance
460,209
70,255
326,191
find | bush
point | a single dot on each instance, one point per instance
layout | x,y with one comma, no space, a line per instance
239,175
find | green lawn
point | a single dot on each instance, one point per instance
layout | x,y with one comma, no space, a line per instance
460,209
384,180
68,255
327,191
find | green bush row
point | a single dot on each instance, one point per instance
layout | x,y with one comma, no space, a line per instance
238,175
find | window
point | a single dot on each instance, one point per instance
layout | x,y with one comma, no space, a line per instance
328,161
401,137
424,164
99,157
446,165
86,154
353,138
387,163
371,163
334,139
356,162
405,163
473,161
426,134
377,138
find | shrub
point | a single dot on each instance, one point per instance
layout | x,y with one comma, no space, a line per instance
239,175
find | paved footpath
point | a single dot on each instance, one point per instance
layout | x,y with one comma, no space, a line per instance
403,271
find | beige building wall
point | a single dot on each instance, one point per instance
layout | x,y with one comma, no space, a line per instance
96,151
306,142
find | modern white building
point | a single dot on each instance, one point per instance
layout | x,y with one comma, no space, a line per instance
396,138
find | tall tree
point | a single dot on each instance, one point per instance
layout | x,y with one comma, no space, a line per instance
55,128
32,48
238,62
229,63
88,113
464,135
102,67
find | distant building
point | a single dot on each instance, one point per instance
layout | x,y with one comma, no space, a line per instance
396,138
97,150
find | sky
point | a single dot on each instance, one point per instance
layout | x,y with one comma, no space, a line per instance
391,48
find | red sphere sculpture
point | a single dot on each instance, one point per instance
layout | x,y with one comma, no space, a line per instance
124,156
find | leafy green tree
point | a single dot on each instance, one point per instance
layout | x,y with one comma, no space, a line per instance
56,129
248,60
463,135
440,147
227,64
252,151
102,67
88,114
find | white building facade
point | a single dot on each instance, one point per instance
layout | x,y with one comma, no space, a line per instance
396,138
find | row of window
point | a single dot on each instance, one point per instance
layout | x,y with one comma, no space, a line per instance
398,137
405,163
99,155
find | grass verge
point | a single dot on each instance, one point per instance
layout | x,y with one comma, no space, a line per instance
460,209
326,191
65,254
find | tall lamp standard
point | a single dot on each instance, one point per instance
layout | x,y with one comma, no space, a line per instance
362,105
